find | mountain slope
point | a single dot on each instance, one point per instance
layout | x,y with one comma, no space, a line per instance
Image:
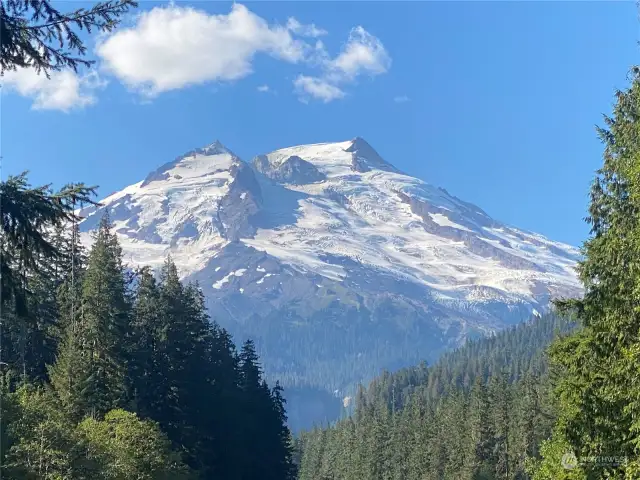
479,411
337,263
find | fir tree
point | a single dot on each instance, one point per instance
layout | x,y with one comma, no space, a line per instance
149,363
598,389
481,434
35,34
91,376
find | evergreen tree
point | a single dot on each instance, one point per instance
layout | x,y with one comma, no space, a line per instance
34,34
184,334
29,256
197,409
255,400
28,215
481,434
265,436
500,398
598,387
282,449
149,362
91,375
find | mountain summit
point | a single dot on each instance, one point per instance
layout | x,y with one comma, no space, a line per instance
333,260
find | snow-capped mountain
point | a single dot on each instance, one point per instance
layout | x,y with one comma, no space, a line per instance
336,262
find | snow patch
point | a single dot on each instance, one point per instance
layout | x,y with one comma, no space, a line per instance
262,279
218,285
444,221
238,273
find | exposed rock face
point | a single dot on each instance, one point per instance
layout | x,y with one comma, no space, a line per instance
240,203
293,170
364,158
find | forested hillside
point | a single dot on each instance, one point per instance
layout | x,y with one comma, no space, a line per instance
479,412
110,373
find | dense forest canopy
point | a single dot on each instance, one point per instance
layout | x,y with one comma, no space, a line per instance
478,413
114,373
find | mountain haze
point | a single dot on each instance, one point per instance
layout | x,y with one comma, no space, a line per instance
337,263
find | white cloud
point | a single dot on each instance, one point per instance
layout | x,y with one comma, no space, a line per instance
317,88
363,53
305,30
401,99
64,90
173,47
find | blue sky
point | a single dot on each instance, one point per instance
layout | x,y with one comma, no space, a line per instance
494,101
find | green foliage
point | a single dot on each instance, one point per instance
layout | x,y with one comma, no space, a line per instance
480,413
124,448
598,389
27,216
45,445
91,374
33,261
121,376
264,423
34,34
558,462
42,440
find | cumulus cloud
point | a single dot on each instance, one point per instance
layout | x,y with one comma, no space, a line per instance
305,30
64,90
363,54
173,47
316,87
401,99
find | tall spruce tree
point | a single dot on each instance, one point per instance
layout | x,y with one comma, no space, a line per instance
91,375
268,448
598,388
149,362
500,398
482,435
184,348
